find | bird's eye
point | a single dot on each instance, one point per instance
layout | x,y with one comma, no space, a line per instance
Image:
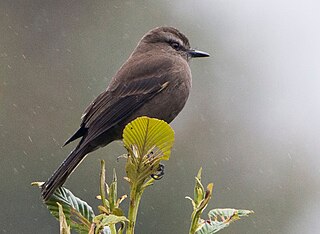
175,45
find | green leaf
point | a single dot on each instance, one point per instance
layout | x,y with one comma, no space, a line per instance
199,192
220,219
78,213
149,133
103,185
107,220
104,220
113,193
207,197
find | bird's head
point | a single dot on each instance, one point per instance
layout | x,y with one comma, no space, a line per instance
169,40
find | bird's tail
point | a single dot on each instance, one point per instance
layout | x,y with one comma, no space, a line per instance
61,174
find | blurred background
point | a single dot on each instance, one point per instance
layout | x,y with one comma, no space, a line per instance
251,122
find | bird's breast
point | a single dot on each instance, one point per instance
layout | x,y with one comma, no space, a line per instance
168,103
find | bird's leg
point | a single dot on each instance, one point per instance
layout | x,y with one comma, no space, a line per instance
160,172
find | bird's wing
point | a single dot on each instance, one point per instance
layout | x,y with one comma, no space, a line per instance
111,107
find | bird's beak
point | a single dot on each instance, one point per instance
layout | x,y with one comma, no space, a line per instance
197,53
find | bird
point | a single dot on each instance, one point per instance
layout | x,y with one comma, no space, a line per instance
154,81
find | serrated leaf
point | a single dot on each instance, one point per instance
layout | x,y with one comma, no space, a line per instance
78,213
220,219
149,133
227,214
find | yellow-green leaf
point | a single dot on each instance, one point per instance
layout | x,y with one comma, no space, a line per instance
149,133
107,220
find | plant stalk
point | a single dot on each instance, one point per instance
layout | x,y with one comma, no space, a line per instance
194,221
135,197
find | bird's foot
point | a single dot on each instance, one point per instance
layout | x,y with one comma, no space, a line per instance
160,173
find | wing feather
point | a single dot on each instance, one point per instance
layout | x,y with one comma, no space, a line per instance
119,104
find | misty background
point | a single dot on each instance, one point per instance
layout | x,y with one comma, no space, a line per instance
252,120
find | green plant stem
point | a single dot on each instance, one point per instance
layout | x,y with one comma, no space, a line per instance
194,221
135,197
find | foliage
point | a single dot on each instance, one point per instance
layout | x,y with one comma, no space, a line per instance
78,213
221,218
148,142
218,218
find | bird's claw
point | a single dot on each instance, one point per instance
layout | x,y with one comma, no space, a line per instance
159,174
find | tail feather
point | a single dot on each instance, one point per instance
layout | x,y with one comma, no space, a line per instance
79,133
61,174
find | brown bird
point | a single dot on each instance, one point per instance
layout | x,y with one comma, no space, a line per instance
154,82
